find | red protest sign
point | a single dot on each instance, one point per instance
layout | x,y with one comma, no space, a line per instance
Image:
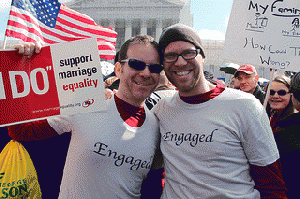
61,80
28,85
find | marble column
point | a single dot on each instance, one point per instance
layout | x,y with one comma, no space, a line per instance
144,27
128,32
112,24
175,21
158,29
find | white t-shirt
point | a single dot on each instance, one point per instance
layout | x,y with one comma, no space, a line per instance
106,157
155,96
207,147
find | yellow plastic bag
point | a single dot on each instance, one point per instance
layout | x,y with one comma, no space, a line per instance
18,177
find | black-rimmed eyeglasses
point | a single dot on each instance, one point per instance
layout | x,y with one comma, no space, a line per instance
139,65
187,55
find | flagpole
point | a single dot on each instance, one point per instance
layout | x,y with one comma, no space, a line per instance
4,42
5,37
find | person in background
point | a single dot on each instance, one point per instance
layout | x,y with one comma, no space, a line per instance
287,137
266,87
279,104
231,85
210,77
112,83
164,84
163,89
216,141
111,151
234,83
248,81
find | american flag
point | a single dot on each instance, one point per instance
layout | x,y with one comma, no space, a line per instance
49,22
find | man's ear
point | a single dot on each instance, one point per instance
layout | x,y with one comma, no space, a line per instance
118,69
256,78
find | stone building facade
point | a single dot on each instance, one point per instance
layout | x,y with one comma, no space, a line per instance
133,17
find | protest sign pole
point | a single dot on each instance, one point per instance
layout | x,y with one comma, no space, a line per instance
269,84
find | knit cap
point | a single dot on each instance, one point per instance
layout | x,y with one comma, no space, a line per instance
179,32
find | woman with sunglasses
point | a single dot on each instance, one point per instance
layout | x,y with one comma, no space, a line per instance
287,137
279,102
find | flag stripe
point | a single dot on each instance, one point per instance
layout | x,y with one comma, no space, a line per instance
15,16
107,57
29,18
21,36
65,8
69,26
20,25
93,26
30,25
79,17
92,29
59,37
104,50
89,31
60,28
105,47
109,44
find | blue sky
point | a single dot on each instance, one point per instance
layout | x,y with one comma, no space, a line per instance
210,17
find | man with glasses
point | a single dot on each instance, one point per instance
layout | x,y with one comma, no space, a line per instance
111,151
216,141
248,80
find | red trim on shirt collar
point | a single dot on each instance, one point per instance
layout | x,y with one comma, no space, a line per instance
132,115
204,97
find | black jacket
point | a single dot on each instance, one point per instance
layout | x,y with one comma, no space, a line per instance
287,137
259,94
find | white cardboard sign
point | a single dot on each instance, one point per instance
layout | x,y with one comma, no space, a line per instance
264,33
63,79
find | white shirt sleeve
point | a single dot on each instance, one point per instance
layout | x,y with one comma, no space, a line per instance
257,136
60,124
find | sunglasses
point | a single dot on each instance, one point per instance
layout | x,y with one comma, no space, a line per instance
280,92
140,65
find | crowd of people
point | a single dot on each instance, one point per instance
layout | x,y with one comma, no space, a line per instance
282,107
171,130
